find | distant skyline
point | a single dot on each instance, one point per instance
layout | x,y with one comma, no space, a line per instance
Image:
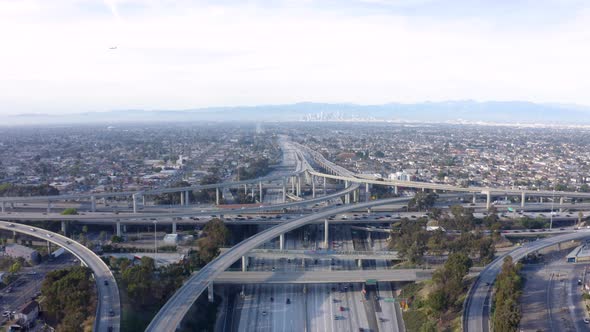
58,57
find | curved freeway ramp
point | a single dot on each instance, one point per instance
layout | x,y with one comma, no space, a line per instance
478,302
171,314
108,295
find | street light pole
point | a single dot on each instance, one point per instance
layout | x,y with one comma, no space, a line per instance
155,242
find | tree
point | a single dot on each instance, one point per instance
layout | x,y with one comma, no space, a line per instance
84,229
410,239
487,250
139,281
422,200
69,297
15,268
216,230
69,211
116,239
449,282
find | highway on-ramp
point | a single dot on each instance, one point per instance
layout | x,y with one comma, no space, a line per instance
478,302
108,311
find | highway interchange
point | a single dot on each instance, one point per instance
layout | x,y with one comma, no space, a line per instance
339,308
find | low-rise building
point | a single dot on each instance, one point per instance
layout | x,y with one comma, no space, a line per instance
17,250
28,313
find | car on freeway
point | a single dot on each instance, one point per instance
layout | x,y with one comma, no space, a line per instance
586,321
111,313
32,229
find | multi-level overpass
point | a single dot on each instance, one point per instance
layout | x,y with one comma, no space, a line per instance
108,311
172,313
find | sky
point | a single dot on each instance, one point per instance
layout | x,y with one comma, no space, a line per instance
57,56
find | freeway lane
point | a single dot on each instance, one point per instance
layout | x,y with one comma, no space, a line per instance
476,315
172,313
108,295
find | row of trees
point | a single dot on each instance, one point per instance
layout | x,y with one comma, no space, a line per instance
70,298
506,309
412,241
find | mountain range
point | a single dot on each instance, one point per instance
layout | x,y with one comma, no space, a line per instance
508,112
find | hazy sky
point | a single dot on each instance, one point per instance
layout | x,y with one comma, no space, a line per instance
56,58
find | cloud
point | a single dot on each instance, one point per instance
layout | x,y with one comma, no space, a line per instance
192,54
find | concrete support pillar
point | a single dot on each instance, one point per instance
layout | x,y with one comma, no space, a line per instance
92,204
260,190
561,203
474,198
284,190
347,196
326,237
541,199
210,292
119,229
367,192
369,210
522,199
245,189
488,200
355,196
324,185
134,198
142,200
64,227
282,241
182,198
303,262
292,185
48,207
244,263
217,196
299,186
359,263
3,207
173,227
187,198
312,187
395,190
